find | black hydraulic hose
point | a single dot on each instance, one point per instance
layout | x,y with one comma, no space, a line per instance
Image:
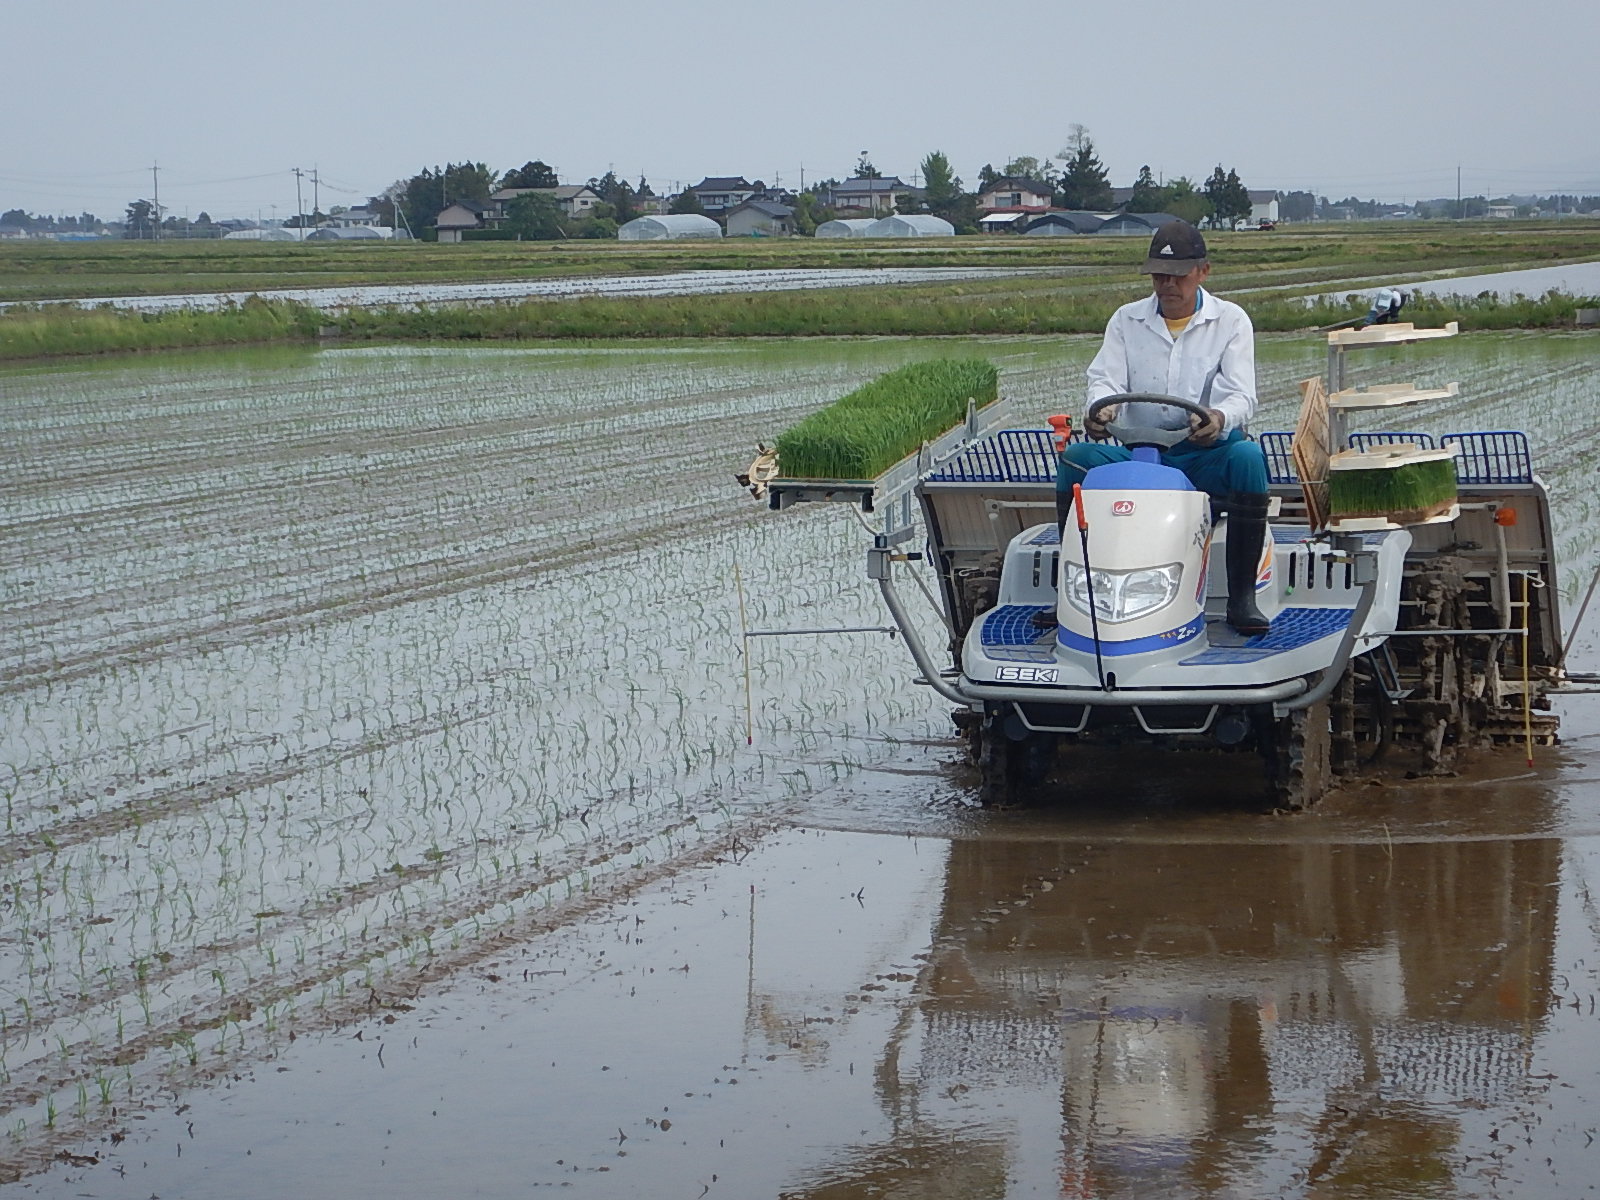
1088,579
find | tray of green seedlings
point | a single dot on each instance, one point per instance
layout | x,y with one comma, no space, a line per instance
1390,486
861,435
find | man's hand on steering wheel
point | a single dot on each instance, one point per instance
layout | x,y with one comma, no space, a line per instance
1207,430
1094,426
1097,421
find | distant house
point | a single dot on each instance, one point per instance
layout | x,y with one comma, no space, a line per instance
1064,223
462,216
352,218
1014,194
870,195
576,200
844,228
910,225
669,227
1263,207
760,218
1134,223
718,194
1501,212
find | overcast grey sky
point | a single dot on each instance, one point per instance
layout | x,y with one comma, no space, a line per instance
1374,100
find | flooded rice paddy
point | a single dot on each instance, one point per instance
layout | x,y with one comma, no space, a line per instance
384,815
1574,279
676,283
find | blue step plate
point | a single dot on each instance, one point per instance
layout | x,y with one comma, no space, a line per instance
1291,629
1008,634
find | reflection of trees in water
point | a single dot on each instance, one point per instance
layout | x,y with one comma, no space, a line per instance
1218,1018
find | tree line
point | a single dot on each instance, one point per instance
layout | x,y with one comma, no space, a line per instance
1075,177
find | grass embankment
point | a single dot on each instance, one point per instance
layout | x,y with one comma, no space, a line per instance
862,434
904,312
55,330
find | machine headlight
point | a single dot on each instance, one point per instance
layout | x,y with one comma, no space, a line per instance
1121,595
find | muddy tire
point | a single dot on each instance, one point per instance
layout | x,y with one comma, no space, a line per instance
1299,757
999,769
1008,768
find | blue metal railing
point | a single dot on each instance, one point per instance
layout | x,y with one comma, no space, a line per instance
1028,456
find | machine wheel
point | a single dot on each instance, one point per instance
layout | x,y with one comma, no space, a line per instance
1008,765
999,768
1299,753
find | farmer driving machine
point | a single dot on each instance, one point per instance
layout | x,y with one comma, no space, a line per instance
1409,584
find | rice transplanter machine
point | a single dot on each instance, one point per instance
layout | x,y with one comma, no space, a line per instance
1409,581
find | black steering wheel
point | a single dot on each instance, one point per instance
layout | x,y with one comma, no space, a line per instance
1145,435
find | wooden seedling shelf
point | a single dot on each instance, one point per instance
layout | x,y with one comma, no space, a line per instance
1365,524
1397,334
1400,454
1390,395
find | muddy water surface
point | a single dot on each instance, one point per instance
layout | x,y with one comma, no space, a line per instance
1394,996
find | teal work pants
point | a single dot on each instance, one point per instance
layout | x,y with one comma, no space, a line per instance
1234,464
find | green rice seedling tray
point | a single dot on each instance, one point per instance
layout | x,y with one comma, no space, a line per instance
861,435
1391,486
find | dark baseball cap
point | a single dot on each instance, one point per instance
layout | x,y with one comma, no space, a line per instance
1176,249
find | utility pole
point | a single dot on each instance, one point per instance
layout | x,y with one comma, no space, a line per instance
299,204
1460,212
155,184
316,205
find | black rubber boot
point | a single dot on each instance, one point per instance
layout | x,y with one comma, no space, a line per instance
1247,530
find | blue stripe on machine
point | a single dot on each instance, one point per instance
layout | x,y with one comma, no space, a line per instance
1142,645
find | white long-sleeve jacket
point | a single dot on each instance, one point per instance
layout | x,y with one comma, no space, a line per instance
1212,362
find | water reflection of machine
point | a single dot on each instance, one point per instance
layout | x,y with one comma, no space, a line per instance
1201,1020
